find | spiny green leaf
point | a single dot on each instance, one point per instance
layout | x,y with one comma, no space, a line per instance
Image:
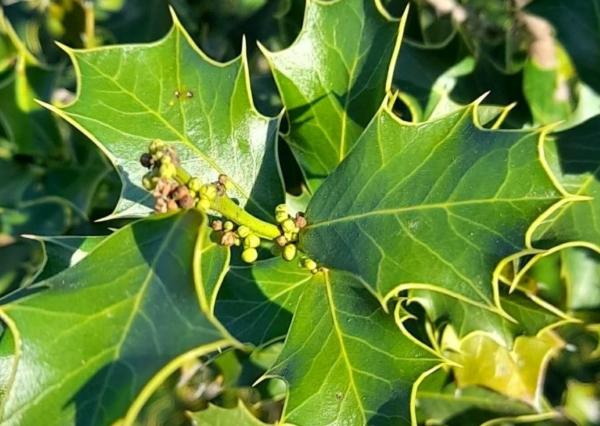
62,252
440,401
345,360
528,317
333,79
574,156
219,416
517,373
435,205
255,303
104,328
131,94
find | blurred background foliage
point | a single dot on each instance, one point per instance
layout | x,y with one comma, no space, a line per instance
541,58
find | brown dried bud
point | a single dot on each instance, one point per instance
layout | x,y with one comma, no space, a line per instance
146,160
163,188
160,206
186,202
223,179
300,220
217,225
172,205
228,239
180,192
281,241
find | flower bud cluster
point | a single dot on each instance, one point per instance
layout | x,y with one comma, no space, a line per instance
242,236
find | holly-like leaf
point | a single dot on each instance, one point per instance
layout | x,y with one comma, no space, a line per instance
112,318
219,416
62,252
517,373
131,94
333,78
439,401
255,303
574,156
527,317
345,360
432,206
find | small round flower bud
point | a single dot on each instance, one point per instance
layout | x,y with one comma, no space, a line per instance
180,192
281,208
222,179
160,206
203,204
281,241
228,239
166,160
309,264
300,221
217,225
186,202
209,191
289,226
147,182
289,236
251,241
195,184
155,146
172,205
243,231
281,217
167,170
228,225
146,160
249,255
237,240
289,252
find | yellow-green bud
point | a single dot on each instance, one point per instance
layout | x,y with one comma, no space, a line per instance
228,225
289,252
195,184
251,241
167,170
148,182
288,236
249,255
209,191
228,185
243,231
309,264
289,226
203,204
166,160
155,146
281,208
281,217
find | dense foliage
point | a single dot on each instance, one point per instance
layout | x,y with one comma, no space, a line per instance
300,211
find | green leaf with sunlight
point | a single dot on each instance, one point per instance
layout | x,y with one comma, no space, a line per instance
333,78
129,95
112,341
434,205
219,416
346,360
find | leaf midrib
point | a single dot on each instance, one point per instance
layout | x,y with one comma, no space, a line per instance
432,206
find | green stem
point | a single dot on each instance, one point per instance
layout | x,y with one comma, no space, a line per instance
90,24
225,205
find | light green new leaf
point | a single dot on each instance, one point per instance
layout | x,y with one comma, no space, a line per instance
434,205
346,361
439,401
129,95
333,78
256,302
219,416
574,156
103,330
